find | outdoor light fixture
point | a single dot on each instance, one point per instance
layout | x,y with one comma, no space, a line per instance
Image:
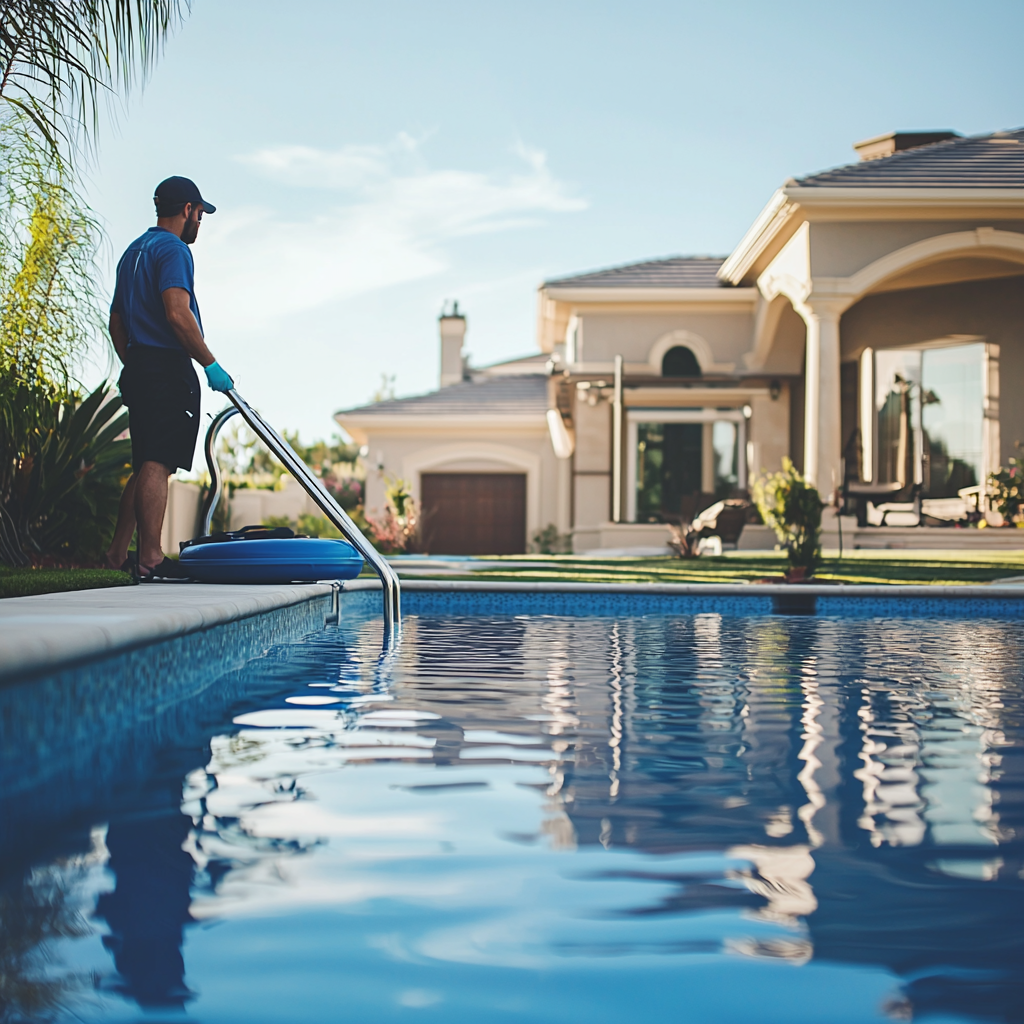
747,412
775,389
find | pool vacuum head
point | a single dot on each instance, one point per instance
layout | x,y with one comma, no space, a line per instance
261,555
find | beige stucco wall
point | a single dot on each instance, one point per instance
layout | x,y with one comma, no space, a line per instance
411,453
181,517
592,463
249,507
839,249
769,433
633,335
790,341
993,310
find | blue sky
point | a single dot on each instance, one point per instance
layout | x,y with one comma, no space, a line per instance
370,161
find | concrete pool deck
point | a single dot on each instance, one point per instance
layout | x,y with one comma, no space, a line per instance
46,632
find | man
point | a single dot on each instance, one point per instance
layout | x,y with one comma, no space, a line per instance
157,332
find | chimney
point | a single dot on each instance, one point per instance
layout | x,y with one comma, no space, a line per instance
453,333
896,142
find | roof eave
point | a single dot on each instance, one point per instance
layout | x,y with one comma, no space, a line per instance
584,296
776,215
475,420
857,195
794,203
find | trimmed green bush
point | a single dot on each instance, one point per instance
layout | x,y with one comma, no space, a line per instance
792,508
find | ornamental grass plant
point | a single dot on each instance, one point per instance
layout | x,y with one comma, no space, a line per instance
62,469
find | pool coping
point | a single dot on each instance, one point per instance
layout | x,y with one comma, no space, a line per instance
45,632
913,591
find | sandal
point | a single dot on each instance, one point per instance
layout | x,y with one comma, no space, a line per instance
128,565
168,569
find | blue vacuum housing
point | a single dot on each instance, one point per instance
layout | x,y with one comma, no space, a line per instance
272,560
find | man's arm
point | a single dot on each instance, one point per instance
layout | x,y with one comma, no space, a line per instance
183,323
118,335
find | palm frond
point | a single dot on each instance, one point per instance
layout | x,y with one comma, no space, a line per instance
58,57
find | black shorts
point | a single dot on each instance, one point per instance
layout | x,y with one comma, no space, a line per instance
161,390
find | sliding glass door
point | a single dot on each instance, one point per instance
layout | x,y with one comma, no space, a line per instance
928,418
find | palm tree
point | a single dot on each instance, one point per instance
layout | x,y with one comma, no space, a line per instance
58,57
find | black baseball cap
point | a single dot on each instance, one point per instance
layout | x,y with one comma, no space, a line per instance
176,191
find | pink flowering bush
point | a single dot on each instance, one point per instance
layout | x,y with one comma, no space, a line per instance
346,491
396,531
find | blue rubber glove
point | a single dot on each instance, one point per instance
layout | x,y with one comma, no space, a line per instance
218,378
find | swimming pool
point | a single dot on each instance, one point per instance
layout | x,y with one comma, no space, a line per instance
604,816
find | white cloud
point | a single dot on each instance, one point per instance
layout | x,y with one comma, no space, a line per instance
385,218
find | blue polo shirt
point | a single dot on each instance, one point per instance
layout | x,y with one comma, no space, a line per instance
154,262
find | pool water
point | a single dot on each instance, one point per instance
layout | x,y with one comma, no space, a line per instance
700,818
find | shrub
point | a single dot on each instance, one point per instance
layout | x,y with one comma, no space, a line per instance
1007,489
792,508
61,464
275,522
397,530
317,526
62,470
346,491
550,542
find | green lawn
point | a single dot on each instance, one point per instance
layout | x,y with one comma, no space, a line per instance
954,567
23,582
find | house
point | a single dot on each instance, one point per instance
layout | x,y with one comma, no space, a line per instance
477,453
869,325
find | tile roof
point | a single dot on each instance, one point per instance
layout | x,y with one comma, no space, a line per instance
980,161
523,395
675,272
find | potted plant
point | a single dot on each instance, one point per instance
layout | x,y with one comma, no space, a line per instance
792,508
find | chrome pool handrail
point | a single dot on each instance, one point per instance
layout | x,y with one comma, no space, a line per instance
314,487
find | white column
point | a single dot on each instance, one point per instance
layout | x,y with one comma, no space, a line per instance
563,517
990,440
822,425
617,444
707,459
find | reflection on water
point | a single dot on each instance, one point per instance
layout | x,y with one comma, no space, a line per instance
149,907
539,818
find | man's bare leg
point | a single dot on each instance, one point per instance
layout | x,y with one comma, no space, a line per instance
125,529
150,502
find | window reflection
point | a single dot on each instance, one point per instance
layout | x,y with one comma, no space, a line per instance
682,468
930,407
952,418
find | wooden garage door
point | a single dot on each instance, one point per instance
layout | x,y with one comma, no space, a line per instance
474,513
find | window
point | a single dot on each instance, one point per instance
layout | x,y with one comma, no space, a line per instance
679,461
680,361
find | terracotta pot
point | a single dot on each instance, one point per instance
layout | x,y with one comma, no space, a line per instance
798,574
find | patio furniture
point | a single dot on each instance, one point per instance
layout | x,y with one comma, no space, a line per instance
904,503
723,519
